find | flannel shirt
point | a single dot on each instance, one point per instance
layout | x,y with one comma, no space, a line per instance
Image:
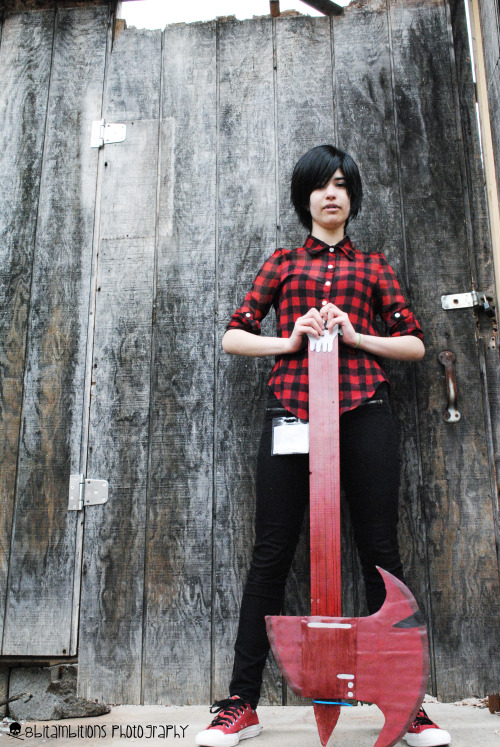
362,284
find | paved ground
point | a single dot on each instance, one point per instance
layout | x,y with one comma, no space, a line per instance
283,727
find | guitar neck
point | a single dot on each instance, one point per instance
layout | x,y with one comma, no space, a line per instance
324,466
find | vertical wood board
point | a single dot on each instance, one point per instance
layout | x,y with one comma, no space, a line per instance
457,500
112,612
480,243
25,74
246,214
367,130
43,542
178,624
304,106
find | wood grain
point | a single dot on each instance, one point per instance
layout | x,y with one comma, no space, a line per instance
367,129
112,612
246,214
25,57
479,239
456,488
34,5
40,603
178,623
490,28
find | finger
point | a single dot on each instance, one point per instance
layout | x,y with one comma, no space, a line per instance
309,325
326,309
313,314
312,326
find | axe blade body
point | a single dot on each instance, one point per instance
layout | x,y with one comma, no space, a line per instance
381,659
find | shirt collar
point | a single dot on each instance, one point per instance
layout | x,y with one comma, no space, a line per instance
315,246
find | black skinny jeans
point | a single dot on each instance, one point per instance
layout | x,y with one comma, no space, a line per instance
369,468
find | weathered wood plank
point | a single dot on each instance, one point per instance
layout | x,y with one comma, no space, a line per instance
494,104
479,239
477,216
25,56
366,128
247,208
40,599
490,28
457,502
304,106
34,5
112,613
178,623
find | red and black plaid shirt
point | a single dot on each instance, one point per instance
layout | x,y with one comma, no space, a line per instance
295,280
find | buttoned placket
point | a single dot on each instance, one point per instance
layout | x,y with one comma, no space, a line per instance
330,259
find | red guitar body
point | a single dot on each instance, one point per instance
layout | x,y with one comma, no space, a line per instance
381,659
376,659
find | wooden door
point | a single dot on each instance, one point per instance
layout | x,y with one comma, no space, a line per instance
178,219
52,71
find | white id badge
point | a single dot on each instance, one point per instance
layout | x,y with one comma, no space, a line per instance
290,436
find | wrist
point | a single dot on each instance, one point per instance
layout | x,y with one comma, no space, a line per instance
292,345
355,342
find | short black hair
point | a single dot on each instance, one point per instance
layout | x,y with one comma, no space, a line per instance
315,169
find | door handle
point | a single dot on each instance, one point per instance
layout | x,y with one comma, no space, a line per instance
447,359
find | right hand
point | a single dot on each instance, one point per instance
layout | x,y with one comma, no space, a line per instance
311,323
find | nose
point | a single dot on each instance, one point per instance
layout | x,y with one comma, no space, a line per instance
330,190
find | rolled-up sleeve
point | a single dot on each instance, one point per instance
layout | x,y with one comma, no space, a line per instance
259,298
393,307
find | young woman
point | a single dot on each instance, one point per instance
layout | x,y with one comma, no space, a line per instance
325,282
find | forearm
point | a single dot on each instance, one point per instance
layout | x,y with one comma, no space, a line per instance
241,342
404,348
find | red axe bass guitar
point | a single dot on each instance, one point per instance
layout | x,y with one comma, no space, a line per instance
334,660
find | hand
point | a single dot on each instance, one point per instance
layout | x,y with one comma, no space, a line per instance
311,323
333,315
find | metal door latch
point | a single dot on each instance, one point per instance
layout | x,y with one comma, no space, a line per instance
467,300
103,133
84,492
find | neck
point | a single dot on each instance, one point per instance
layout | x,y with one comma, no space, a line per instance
329,236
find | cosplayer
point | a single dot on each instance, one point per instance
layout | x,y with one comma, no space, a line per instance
327,281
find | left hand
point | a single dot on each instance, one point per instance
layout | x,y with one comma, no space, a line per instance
333,315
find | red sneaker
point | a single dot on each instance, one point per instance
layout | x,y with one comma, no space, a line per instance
235,720
425,733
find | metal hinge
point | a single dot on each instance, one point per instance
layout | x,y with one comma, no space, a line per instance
84,492
103,133
467,300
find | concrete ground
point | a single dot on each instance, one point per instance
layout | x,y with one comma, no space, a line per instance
294,726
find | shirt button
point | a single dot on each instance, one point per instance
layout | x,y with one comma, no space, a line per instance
331,249
328,282
323,303
248,314
330,267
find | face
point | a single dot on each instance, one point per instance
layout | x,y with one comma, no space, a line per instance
330,206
